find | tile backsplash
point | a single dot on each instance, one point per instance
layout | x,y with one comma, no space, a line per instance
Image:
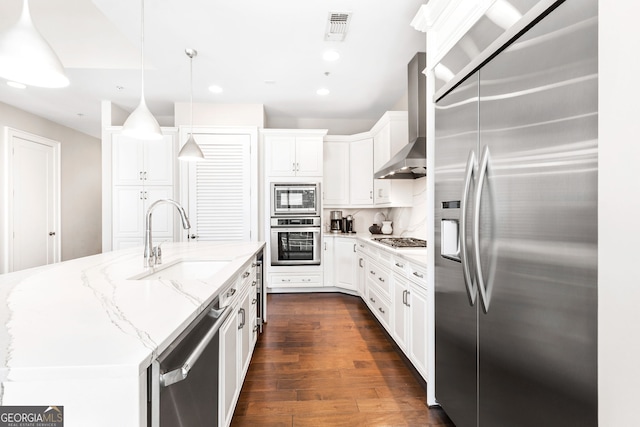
409,221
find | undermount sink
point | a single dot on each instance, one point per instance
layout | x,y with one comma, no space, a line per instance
186,269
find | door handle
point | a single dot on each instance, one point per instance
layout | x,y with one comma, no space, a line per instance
469,283
52,233
485,289
181,373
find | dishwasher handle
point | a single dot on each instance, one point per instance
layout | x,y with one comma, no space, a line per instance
181,373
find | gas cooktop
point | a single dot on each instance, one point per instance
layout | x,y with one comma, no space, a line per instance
401,242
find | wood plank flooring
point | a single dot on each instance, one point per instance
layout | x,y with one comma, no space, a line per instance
324,360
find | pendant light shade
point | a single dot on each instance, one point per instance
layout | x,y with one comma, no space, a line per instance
191,151
141,124
26,57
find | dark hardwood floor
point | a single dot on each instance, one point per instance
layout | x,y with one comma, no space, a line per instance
323,360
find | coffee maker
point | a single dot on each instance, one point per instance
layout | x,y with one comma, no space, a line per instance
348,227
336,221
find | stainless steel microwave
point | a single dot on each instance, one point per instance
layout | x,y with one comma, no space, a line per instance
295,199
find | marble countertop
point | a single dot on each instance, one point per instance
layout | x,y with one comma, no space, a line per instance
87,318
417,255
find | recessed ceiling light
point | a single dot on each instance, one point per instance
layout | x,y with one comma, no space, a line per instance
331,55
215,89
16,85
323,91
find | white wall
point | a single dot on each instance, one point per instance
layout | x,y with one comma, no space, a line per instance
207,114
618,214
80,180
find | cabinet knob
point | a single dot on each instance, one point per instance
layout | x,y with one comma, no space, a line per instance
192,236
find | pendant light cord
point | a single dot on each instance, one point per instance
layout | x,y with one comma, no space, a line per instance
142,47
191,90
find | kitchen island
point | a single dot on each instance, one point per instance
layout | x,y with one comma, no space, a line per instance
82,333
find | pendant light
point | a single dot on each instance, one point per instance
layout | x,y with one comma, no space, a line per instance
141,124
191,151
26,57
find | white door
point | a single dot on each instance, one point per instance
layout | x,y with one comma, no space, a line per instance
220,189
35,233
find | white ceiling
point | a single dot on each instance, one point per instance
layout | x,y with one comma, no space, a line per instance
241,44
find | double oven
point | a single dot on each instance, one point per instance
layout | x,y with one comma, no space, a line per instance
296,229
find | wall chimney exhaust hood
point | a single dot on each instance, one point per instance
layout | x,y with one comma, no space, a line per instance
411,161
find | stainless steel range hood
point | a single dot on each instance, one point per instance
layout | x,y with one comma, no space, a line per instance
411,161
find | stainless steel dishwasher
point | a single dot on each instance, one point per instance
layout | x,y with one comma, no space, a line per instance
184,378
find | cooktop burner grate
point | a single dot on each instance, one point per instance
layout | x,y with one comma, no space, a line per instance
401,242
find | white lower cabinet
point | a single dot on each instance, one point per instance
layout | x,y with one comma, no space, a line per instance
395,291
401,316
339,262
229,368
418,328
238,337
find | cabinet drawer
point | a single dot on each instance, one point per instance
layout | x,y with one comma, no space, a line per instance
379,306
295,280
380,276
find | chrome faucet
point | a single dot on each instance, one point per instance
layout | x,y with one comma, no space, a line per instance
152,255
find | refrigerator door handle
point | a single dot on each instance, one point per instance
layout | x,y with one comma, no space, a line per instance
485,289
470,284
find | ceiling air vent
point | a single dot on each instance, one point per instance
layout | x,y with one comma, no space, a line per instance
337,26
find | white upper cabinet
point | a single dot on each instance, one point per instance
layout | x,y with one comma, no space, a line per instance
361,172
142,162
336,173
293,152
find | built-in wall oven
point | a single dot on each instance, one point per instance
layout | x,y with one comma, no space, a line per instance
295,240
299,199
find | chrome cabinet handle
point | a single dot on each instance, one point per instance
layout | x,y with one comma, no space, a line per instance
241,325
254,283
415,273
372,300
404,297
285,280
354,247
399,265
231,292
255,328
470,285
245,274
360,262
140,177
253,301
181,373
381,279
381,310
407,302
372,272
371,194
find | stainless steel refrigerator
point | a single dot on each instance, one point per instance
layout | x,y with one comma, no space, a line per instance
516,229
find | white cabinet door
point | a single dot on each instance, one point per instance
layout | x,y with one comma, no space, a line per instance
245,334
361,276
400,312
219,189
361,172
228,371
130,204
142,162
281,155
158,161
345,263
328,256
418,329
336,174
128,161
309,156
